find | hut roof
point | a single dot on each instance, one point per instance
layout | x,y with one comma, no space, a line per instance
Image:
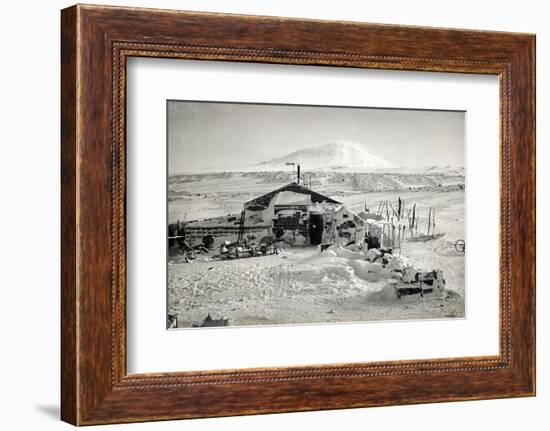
264,200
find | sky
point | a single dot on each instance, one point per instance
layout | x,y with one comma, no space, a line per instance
213,135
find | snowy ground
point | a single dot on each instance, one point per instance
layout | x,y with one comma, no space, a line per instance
301,285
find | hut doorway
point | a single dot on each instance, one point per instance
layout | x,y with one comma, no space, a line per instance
315,229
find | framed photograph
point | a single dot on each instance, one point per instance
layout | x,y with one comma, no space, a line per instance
264,215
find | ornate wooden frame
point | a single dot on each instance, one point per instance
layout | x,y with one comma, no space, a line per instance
95,43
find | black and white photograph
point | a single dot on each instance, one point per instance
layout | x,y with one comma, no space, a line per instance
275,215
297,214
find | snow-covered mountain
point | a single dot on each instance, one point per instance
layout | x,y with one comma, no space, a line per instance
344,156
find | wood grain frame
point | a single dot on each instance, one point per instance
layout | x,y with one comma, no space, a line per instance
95,44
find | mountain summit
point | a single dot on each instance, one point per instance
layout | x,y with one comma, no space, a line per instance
333,156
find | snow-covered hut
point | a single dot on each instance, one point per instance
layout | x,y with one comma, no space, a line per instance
305,215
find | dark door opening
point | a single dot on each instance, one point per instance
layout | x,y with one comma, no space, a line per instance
315,229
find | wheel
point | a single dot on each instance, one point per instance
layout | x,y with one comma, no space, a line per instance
460,246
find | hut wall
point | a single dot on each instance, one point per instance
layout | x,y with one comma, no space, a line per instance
343,226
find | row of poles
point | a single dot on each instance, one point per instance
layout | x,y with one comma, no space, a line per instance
400,218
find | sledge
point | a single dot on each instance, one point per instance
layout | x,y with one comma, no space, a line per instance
243,249
425,238
420,283
431,225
